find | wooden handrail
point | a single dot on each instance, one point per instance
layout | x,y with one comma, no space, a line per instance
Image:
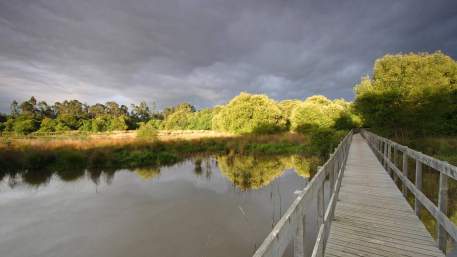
445,227
291,225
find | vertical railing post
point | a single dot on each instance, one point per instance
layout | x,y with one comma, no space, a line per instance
384,156
389,156
417,204
320,206
405,170
336,167
442,205
299,238
395,157
332,174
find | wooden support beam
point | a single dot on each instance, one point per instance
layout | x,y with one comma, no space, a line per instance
405,171
299,239
417,205
443,206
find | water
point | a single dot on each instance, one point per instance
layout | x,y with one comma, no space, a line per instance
216,206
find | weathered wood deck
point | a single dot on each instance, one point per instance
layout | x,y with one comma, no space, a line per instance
372,217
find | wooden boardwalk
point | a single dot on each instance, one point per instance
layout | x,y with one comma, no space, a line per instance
372,217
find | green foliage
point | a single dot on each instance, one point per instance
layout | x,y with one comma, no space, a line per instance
201,120
118,123
410,94
185,107
48,125
25,126
100,124
141,112
287,107
157,124
184,116
318,112
177,120
248,113
8,125
68,122
22,124
324,141
146,131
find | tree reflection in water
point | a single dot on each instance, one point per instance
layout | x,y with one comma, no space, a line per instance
253,172
245,172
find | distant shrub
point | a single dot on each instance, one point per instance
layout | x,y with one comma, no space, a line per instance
287,107
100,124
68,122
157,124
25,125
146,131
248,113
318,112
177,120
201,120
48,125
118,123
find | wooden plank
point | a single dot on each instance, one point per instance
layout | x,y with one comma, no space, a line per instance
373,218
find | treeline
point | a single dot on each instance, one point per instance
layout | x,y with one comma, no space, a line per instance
31,116
410,95
407,95
244,114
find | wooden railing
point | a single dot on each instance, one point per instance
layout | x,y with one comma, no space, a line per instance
291,226
388,152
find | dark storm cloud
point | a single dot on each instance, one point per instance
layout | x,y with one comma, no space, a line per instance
206,51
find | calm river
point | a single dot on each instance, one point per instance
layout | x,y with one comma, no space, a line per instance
214,206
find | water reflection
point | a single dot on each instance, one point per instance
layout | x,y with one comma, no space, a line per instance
253,172
245,172
207,206
147,173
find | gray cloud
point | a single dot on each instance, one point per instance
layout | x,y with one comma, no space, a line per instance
207,51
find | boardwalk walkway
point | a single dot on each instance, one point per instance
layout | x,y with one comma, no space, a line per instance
372,217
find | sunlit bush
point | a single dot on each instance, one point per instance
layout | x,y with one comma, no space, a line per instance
248,113
146,131
410,93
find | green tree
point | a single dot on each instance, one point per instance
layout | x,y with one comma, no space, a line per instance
201,120
185,107
71,114
177,120
317,112
118,123
48,125
96,110
410,93
146,131
248,113
141,112
25,124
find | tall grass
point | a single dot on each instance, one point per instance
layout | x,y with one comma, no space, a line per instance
132,152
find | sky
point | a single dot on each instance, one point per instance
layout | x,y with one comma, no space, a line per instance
207,51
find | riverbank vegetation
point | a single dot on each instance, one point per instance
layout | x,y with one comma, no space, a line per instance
253,124
412,98
137,153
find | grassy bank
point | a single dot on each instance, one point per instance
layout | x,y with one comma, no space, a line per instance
130,152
